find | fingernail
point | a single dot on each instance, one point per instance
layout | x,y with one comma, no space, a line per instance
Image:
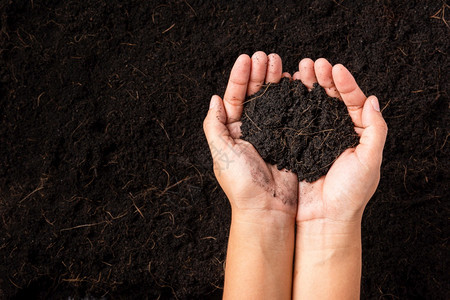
214,102
375,104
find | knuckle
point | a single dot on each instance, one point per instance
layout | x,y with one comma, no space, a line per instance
239,81
353,108
234,101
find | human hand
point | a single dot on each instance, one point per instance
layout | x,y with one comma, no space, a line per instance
250,184
328,238
263,198
342,194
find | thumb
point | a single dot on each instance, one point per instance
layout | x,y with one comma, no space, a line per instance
373,136
214,126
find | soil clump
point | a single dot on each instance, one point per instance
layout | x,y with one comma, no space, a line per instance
301,131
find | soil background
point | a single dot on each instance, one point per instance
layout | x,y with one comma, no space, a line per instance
106,183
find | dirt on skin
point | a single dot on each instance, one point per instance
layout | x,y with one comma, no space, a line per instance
298,130
106,179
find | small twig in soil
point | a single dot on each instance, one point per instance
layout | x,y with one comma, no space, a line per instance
216,286
45,218
79,125
404,179
328,134
77,279
190,79
440,14
168,177
82,226
144,193
145,75
118,217
149,268
317,132
17,286
178,236
259,96
173,185
129,44
171,217
445,142
161,124
340,4
190,7
39,98
402,51
30,194
199,173
138,210
252,121
301,131
168,29
387,104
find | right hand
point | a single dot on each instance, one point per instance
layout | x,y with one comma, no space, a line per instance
342,194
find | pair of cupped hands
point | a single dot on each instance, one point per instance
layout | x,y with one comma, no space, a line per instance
256,187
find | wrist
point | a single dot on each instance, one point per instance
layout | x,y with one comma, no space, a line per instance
259,256
271,230
276,218
264,210
327,261
263,206
325,234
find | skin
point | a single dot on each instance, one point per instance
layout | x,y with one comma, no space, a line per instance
272,211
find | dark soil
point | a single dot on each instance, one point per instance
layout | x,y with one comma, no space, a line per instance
106,182
298,130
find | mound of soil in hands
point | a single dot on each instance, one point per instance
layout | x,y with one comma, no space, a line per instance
299,130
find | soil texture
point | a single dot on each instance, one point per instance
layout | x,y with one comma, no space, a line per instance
106,180
298,130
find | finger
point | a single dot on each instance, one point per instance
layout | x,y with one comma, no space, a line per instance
257,73
237,88
274,68
306,72
324,77
296,75
214,126
350,92
373,136
286,75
